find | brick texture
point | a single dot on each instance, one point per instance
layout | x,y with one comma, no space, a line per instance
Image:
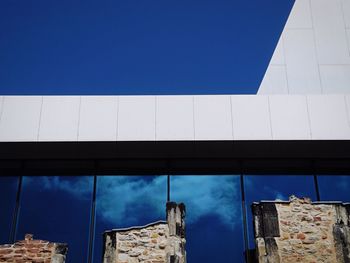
33,251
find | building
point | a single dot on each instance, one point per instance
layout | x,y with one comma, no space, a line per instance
75,166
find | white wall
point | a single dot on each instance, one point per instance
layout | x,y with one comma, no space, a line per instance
313,54
150,118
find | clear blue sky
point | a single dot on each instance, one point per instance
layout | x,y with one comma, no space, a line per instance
137,46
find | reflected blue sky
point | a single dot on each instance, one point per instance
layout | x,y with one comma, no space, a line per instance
214,228
8,192
334,187
258,188
137,47
57,209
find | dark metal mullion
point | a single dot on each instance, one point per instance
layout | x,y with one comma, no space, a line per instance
245,224
16,212
92,222
317,188
168,188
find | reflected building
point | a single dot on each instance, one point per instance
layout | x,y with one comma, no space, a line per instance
75,165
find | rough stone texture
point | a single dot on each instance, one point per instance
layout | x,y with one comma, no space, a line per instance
33,251
306,232
158,242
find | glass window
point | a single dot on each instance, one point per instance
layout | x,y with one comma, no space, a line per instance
57,208
8,193
334,187
214,229
260,187
124,201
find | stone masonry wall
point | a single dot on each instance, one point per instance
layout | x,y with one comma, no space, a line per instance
144,244
33,251
158,242
302,231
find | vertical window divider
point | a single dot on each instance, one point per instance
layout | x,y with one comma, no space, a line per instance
316,188
168,188
16,211
245,224
92,222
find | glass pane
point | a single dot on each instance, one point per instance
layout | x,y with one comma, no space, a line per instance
124,201
8,192
260,187
214,229
334,187
57,208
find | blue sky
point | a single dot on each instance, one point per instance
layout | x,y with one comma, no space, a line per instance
137,47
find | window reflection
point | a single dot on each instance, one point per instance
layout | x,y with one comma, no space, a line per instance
214,229
57,208
8,192
123,201
334,188
259,188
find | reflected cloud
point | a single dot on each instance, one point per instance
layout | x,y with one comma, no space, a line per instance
79,186
124,198
208,195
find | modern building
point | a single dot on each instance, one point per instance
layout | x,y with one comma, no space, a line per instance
74,165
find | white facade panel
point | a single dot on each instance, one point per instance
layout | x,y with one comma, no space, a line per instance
300,16
251,118
59,118
328,117
213,118
20,118
346,12
302,67
278,54
331,39
275,80
1,99
174,118
137,118
347,101
98,118
289,117
308,58
335,78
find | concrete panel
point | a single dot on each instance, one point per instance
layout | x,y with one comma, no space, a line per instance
302,68
251,120
98,118
328,117
300,16
335,79
137,118
59,118
330,32
289,117
20,118
275,81
174,118
213,118
278,54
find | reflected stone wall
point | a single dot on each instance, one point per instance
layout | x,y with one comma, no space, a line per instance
37,251
302,231
158,242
